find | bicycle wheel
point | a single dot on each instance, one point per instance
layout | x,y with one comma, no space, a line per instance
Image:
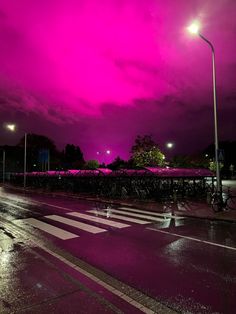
216,203
231,202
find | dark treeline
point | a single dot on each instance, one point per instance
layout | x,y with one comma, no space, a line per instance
42,155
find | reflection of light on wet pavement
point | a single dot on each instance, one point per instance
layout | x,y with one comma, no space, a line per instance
175,247
16,198
109,211
5,258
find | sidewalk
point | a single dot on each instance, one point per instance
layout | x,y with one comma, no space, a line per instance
33,281
184,208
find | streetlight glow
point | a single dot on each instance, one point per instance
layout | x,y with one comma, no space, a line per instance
11,127
108,152
169,145
194,28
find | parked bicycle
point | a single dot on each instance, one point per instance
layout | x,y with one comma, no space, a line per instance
221,201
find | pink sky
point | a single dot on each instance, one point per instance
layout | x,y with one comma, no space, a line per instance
97,73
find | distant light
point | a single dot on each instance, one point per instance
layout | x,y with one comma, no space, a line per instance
11,127
108,152
194,28
206,155
169,145
163,157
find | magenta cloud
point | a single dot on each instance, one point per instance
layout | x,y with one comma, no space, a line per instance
76,56
94,61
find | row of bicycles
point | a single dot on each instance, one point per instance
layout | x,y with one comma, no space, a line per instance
223,200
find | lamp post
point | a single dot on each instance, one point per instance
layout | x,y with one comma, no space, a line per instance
3,165
194,29
12,128
25,163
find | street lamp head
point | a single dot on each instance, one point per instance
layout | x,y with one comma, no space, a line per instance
194,28
11,127
169,145
108,152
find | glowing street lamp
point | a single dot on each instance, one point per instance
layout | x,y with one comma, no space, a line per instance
107,152
12,128
104,154
169,145
194,28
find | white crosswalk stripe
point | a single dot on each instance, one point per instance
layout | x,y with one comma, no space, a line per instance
148,217
76,224
136,210
111,215
99,220
127,214
55,231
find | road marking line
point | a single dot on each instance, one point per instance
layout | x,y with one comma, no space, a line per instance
76,224
113,290
194,239
134,215
111,215
132,293
57,232
168,215
99,220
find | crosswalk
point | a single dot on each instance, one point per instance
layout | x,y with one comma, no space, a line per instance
76,224
58,225
165,215
133,215
109,214
57,232
99,220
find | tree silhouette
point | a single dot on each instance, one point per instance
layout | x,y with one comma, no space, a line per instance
117,163
145,152
73,157
36,144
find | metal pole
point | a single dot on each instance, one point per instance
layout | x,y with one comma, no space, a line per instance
48,160
25,156
3,166
218,179
218,186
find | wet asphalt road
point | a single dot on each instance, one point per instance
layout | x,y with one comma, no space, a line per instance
187,265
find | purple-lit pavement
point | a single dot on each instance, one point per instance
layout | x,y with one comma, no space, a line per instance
64,255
